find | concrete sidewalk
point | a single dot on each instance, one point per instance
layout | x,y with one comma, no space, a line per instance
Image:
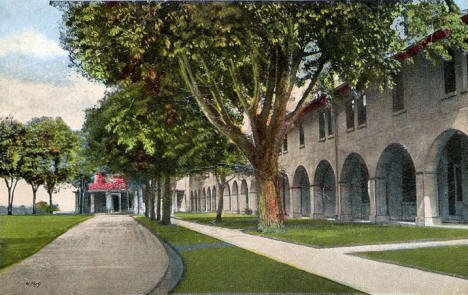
107,254
333,263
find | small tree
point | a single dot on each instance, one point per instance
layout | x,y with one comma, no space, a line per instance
12,135
61,145
34,163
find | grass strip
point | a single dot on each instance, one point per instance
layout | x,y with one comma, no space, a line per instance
445,259
322,233
23,236
235,270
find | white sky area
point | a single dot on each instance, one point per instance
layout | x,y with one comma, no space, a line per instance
35,79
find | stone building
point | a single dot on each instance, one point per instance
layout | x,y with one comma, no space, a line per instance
395,155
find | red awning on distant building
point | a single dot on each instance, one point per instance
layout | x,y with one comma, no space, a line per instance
101,183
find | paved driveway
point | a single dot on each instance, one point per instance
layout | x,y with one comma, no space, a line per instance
107,254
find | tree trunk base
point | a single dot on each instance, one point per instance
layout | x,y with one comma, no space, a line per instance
272,226
271,217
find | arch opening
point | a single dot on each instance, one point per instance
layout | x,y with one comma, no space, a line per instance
235,197
396,184
244,198
227,198
324,191
452,177
301,186
208,200
354,179
203,201
213,200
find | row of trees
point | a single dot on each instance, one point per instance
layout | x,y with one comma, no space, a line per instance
237,64
44,151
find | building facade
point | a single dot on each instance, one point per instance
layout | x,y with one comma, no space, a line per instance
111,194
395,155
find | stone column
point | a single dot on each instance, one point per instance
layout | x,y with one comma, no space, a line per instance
140,197
294,198
91,210
315,197
108,202
120,202
291,202
136,203
427,198
128,202
381,206
373,213
344,211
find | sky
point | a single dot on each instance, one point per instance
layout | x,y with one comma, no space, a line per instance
35,79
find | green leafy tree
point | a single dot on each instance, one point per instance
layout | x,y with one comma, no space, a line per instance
60,144
12,135
244,59
105,148
84,169
254,55
212,152
34,160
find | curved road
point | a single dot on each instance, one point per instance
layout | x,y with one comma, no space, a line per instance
107,254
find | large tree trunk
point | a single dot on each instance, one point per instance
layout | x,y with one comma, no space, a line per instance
167,201
219,211
158,205
150,193
271,213
82,197
146,200
34,191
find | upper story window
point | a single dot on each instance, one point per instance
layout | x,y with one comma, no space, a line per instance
301,135
325,123
350,114
329,121
449,74
362,110
285,143
398,94
322,120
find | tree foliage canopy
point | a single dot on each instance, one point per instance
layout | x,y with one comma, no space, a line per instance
241,61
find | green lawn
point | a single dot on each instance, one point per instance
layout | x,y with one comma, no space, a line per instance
22,236
232,269
322,233
446,259
229,220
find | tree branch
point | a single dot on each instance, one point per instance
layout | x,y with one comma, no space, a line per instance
227,128
300,104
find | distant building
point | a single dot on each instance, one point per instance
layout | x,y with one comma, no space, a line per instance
110,194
